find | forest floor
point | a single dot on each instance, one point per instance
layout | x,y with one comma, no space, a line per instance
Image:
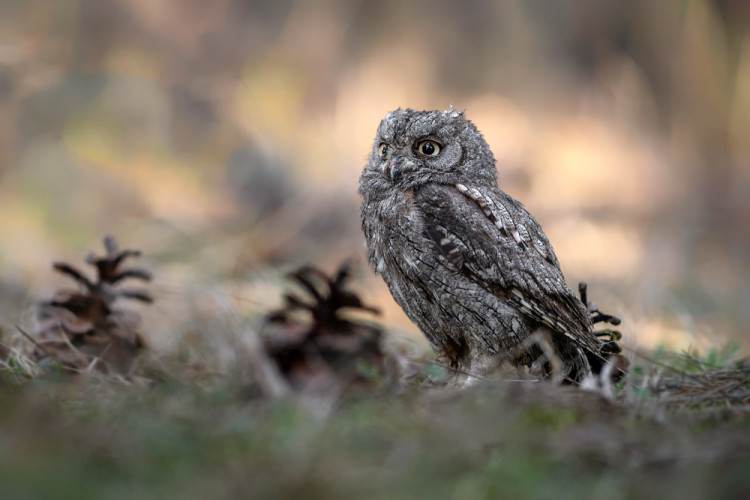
678,427
215,419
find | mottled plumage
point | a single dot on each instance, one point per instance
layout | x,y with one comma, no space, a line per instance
466,262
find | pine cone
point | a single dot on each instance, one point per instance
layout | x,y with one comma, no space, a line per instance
81,329
321,346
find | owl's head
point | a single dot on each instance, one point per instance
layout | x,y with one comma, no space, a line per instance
416,147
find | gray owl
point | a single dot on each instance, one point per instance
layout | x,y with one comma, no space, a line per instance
465,261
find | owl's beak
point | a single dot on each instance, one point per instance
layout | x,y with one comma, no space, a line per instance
395,167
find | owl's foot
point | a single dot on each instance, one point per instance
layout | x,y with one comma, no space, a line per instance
595,314
609,340
608,337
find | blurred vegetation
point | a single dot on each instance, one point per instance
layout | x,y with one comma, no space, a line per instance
225,140
498,439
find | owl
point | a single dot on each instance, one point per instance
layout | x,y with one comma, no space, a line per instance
467,263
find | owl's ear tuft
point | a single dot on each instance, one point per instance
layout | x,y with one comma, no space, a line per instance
454,113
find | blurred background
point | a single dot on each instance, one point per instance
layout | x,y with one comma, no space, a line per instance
225,139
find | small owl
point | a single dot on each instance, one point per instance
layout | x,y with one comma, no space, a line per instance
465,261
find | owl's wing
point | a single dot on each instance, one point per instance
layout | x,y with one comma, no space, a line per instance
483,233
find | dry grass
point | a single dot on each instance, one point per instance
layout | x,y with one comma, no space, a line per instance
682,382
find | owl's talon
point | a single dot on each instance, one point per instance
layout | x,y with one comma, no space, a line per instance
595,315
599,317
582,291
613,335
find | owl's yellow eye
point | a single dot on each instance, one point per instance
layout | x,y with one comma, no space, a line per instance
382,148
428,148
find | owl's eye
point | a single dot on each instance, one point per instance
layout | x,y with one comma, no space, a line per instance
428,148
382,148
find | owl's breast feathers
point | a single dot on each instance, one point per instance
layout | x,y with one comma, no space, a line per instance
485,235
